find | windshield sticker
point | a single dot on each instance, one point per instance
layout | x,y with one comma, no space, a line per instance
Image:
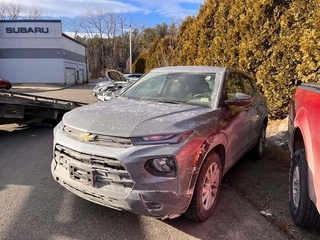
204,99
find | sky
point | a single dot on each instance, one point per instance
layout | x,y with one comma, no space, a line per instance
148,13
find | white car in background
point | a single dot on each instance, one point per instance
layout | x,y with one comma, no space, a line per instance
100,90
117,83
132,77
99,86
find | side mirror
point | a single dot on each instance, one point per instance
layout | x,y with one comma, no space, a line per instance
239,99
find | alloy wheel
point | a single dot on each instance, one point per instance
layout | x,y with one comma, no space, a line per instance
210,186
296,187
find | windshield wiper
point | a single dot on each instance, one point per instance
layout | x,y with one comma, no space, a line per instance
169,101
161,100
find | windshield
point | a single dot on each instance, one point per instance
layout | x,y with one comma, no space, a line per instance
178,87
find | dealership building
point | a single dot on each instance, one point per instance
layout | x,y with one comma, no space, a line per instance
37,51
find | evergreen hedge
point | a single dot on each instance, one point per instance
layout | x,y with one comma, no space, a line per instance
276,41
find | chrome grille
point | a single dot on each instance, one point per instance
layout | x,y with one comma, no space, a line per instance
108,173
98,139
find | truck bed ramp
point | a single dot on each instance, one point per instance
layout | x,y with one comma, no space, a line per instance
25,108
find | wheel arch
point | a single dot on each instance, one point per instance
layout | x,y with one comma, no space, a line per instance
301,131
297,140
207,150
265,121
302,139
192,210
216,144
221,151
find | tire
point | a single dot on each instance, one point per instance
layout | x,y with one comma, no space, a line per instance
303,211
260,145
8,87
206,191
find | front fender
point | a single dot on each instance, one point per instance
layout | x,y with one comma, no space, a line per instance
215,142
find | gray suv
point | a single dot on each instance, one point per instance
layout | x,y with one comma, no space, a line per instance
162,147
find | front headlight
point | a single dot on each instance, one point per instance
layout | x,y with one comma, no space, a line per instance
164,166
160,139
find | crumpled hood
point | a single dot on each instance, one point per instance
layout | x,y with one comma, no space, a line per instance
131,118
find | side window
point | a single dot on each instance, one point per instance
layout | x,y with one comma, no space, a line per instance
247,86
233,85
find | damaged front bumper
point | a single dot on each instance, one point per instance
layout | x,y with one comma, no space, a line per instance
122,185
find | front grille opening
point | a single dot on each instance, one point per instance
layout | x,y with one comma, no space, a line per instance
64,153
101,172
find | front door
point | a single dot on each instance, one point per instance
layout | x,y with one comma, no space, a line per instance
239,119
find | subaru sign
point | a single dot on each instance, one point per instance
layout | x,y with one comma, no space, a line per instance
27,30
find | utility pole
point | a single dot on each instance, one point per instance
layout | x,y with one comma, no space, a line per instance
130,46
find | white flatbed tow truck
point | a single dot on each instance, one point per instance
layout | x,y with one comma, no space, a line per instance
25,109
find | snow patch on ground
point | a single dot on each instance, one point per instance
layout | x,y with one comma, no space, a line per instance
277,133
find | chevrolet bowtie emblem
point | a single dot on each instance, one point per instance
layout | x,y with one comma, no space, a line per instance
87,137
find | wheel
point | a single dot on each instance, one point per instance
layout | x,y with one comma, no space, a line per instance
201,95
206,191
303,211
259,148
8,87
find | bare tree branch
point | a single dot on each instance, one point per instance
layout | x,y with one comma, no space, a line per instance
14,10
74,25
34,13
95,19
3,10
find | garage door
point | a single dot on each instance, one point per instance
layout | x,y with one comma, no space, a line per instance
81,79
70,76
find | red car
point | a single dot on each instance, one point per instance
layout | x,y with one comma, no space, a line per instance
5,84
304,146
